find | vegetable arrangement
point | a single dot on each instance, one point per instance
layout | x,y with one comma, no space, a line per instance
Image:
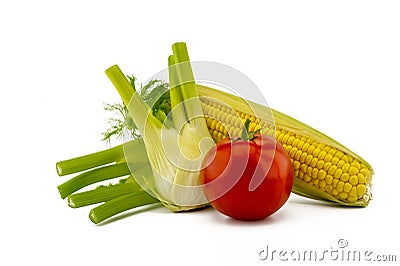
194,146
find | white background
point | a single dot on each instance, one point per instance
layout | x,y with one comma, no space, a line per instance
332,64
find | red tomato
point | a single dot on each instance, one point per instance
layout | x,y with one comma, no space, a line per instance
247,179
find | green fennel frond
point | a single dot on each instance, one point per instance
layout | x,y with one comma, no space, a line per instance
120,124
155,93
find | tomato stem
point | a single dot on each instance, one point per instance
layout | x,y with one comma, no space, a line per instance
246,135
245,132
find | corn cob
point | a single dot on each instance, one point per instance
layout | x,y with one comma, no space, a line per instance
324,169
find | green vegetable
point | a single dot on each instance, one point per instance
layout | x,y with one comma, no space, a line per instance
170,117
175,149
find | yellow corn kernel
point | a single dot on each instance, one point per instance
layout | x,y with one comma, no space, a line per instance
292,152
236,132
229,119
352,199
309,170
320,164
285,139
303,157
220,114
303,167
297,155
327,149
338,173
300,145
340,164
361,178
332,169
347,187
332,152
220,127
296,165
353,192
356,165
308,159
238,124
314,162
327,165
335,182
364,172
345,167
305,147
340,186
339,155
295,142
290,140
328,179
314,173
316,152
321,174
353,180
328,157
215,134
301,175
310,149
353,170
345,177
215,112
321,155
252,126
361,189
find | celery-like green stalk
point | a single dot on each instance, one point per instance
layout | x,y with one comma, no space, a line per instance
103,193
91,177
111,155
89,161
120,204
125,202
186,80
142,112
94,164
178,111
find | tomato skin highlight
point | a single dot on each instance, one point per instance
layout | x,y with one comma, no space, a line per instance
247,180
